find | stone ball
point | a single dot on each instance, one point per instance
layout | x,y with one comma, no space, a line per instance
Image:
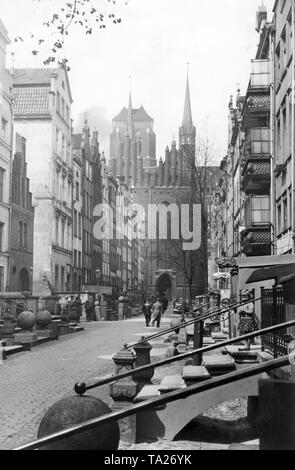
71,411
26,320
43,318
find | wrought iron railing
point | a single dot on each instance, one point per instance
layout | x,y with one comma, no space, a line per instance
273,312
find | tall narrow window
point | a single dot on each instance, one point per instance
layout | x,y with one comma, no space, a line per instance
20,234
58,102
56,277
2,179
63,224
1,235
4,129
25,235
56,230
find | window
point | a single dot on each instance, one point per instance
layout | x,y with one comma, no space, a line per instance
260,209
75,223
63,146
1,236
77,191
4,129
79,259
80,227
67,114
25,235
20,233
56,276
279,221
75,258
62,278
285,213
57,137
63,108
56,229
1,278
63,233
58,102
2,179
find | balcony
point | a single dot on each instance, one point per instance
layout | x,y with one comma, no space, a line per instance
260,74
256,238
256,177
257,143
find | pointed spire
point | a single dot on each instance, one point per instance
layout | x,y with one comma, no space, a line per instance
129,114
187,115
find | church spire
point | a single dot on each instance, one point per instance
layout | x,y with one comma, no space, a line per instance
187,121
187,132
129,114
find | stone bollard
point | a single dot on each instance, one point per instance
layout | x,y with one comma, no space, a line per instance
143,358
72,411
124,391
27,337
123,307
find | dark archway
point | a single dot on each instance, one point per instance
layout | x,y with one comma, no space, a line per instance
24,280
164,286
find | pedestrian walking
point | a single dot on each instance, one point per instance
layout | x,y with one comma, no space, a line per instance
247,322
89,309
78,302
157,313
147,311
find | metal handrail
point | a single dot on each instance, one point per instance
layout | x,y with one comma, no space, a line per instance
206,316
162,400
81,388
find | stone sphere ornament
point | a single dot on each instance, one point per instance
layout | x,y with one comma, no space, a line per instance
43,318
26,320
72,411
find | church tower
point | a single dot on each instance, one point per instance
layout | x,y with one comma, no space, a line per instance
187,132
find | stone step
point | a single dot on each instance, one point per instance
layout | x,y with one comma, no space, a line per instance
218,364
148,392
10,350
219,336
242,356
76,329
171,383
195,374
207,341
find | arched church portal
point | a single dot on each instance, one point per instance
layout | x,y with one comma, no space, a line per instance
164,286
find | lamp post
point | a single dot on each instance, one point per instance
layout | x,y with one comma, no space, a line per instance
97,303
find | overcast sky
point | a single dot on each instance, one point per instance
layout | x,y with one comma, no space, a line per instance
153,43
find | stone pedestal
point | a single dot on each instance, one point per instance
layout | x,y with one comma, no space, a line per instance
127,425
126,389
143,358
276,415
26,337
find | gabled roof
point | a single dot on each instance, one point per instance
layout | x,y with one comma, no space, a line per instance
33,76
31,100
40,77
139,114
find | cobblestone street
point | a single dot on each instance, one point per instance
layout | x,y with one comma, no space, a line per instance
31,382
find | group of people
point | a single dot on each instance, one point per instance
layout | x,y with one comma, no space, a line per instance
153,311
72,308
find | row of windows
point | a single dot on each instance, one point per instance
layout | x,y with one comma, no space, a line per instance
62,233
284,212
77,224
61,278
62,146
62,108
77,259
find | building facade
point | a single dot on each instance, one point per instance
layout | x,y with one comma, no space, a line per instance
5,161
283,126
22,222
42,115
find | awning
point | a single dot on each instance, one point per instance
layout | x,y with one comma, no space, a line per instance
280,273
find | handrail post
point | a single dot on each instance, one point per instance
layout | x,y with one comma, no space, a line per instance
274,318
198,342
